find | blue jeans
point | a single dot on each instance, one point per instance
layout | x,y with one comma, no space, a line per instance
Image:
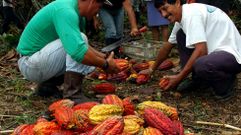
113,21
50,61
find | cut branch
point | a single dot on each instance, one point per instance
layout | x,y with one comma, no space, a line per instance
219,124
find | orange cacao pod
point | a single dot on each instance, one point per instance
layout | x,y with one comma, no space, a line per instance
85,106
64,117
63,132
81,120
129,107
61,103
46,128
111,126
104,88
141,66
166,64
151,131
142,78
122,64
167,110
157,119
163,82
112,99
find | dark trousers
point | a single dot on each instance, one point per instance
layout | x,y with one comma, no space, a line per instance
219,68
9,16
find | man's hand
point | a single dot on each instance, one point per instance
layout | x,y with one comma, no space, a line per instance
174,80
113,68
134,32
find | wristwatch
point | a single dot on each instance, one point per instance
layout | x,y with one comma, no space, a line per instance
106,65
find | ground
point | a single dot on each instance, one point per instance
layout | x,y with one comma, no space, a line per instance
18,107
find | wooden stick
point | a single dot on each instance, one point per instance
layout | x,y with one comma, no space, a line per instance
218,124
8,115
6,131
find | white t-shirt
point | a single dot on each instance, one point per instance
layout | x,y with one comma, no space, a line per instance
5,4
205,23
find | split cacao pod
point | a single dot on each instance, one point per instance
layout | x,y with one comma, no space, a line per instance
61,103
129,107
151,131
85,106
123,64
112,99
101,112
159,120
121,76
46,128
111,126
64,117
167,110
104,88
166,64
163,82
142,78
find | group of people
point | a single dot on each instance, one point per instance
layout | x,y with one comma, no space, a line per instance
54,50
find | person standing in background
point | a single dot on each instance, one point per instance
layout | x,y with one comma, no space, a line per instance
9,16
155,20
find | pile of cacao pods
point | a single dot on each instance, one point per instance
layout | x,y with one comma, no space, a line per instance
113,116
129,71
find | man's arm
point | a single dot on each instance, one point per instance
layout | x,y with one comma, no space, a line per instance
131,16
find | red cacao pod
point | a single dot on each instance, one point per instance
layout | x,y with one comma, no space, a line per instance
25,129
118,77
179,127
163,82
129,108
63,132
82,121
61,103
112,99
123,64
165,65
64,117
104,88
85,106
141,66
142,78
111,126
159,120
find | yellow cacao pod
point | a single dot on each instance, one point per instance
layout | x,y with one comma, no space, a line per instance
167,110
151,131
135,118
131,126
101,112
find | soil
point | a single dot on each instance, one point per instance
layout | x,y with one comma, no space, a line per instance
17,106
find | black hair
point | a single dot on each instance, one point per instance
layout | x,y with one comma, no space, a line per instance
159,3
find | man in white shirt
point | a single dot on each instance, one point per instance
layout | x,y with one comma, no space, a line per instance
212,49
9,16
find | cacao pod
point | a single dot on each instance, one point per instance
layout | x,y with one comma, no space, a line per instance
104,88
85,106
64,117
159,120
151,131
123,64
102,76
131,126
163,82
61,103
112,99
25,129
82,121
166,64
46,128
142,78
179,127
132,78
135,118
111,126
169,111
129,107
121,76
63,132
101,112
141,66
41,119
